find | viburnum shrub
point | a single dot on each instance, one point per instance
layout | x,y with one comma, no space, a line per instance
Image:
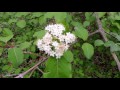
59,44
56,43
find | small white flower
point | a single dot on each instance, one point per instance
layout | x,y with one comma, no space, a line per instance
55,29
47,48
66,47
58,55
52,53
60,49
47,38
70,38
39,44
62,38
55,43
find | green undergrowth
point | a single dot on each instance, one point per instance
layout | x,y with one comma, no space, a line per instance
88,57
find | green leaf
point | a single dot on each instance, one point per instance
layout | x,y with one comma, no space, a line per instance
88,50
68,55
89,16
98,42
25,45
6,67
117,17
58,68
33,48
81,62
114,15
12,21
26,56
82,33
101,14
4,61
33,56
59,16
37,14
108,43
39,34
19,14
114,47
7,35
77,25
42,20
21,23
17,71
116,36
0,29
69,18
113,63
1,50
116,24
86,23
16,56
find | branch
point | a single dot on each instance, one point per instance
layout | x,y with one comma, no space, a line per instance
102,32
40,70
36,65
32,72
10,75
97,31
30,53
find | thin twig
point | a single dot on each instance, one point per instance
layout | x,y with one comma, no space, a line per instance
40,70
30,53
102,32
24,73
100,28
97,31
10,75
32,72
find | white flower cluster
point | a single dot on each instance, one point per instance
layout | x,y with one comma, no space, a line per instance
55,43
